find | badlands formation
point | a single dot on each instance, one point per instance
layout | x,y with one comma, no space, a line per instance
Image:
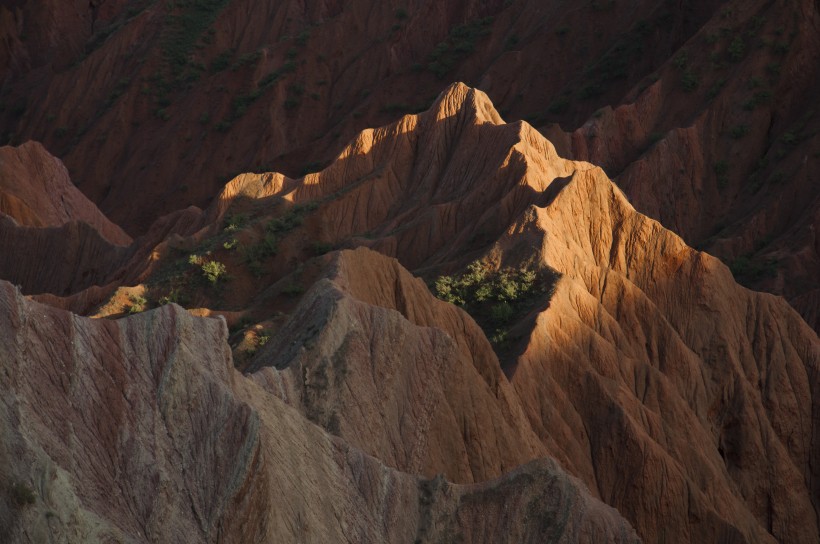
317,390
703,112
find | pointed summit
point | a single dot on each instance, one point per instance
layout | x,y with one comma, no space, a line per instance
467,102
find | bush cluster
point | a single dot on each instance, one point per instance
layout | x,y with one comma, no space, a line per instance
495,298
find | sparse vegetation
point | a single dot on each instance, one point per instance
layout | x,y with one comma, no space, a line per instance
616,63
320,248
715,89
559,105
293,290
174,296
459,43
255,255
495,297
721,169
689,80
213,271
185,26
21,495
739,131
222,61
138,304
758,98
303,37
246,60
737,49
747,270
790,139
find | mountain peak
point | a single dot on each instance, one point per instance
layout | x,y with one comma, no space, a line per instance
471,103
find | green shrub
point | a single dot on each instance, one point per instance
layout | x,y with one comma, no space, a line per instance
559,105
235,222
739,131
690,81
495,297
213,271
502,312
715,89
790,139
721,169
747,270
173,296
303,37
293,290
737,49
459,43
758,98
246,59
222,61
138,304
21,495
320,248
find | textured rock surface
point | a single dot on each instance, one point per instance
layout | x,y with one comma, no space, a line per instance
140,430
371,355
686,402
730,165
36,191
93,82
679,397
58,244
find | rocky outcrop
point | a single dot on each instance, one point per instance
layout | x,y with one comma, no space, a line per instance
140,430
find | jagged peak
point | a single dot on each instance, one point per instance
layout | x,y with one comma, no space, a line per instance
460,99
